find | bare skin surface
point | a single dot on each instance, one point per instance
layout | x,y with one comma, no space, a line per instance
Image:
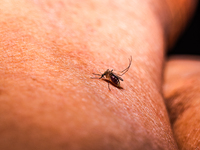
48,52
182,95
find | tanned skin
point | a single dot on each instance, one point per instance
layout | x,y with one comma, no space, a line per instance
48,52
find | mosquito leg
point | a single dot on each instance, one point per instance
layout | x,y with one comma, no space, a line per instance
109,86
125,70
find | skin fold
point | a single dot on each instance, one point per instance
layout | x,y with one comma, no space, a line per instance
48,52
182,95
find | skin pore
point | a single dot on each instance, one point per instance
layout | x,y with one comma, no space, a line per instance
49,50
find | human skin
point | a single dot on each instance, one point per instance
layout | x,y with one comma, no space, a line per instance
49,50
182,94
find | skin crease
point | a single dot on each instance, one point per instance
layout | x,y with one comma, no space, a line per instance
49,50
181,92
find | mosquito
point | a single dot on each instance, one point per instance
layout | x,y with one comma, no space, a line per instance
113,78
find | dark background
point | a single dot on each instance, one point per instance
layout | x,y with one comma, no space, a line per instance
189,41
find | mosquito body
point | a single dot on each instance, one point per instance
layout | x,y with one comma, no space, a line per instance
112,77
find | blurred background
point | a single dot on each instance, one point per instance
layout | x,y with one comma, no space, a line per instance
189,41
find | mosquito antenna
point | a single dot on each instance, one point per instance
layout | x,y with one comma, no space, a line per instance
100,71
97,74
